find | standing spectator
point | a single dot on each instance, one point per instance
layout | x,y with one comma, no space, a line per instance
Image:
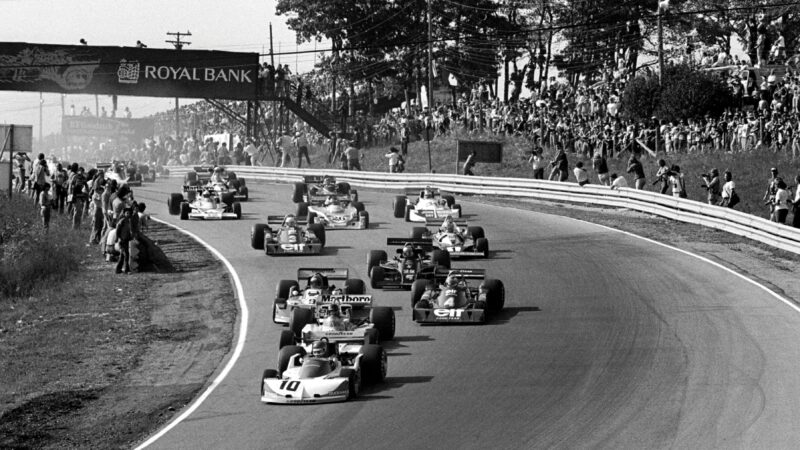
286,144
560,166
59,182
78,196
537,163
353,156
301,144
712,184
781,202
404,138
769,195
45,202
238,153
97,213
469,164
618,182
796,203
124,233
729,196
21,158
581,176
394,159
332,141
662,176
600,166
40,176
280,81
635,167
677,182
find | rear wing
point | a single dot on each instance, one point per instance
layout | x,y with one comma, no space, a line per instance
362,299
312,179
278,220
467,274
419,242
304,273
194,188
203,169
103,166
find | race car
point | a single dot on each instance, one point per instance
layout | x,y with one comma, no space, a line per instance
122,173
334,317
455,237
219,177
336,213
416,260
421,206
448,298
288,235
209,205
323,372
315,189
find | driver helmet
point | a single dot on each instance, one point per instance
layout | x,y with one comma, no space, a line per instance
408,252
315,281
290,221
451,281
218,169
333,310
206,194
449,226
319,349
427,193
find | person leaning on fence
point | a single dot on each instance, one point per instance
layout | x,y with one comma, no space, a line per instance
618,182
394,159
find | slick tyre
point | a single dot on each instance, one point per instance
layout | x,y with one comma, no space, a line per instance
287,338
354,286
375,258
174,204
373,364
382,317
495,295
399,206
299,318
257,236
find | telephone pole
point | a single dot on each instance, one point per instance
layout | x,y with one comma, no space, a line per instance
178,46
429,130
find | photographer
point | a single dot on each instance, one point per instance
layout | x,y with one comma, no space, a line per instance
712,185
662,176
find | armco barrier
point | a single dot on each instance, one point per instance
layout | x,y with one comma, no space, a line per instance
725,219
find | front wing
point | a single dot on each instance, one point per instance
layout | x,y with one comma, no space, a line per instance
305,391
274,248
463,251
449,315
423,215
211,215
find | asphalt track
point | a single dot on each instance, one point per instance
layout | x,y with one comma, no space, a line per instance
606,341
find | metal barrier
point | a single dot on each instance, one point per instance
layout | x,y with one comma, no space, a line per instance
689,211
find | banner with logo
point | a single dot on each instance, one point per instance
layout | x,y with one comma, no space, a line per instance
124,130
80,69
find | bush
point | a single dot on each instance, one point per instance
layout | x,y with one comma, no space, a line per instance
685,93
29,257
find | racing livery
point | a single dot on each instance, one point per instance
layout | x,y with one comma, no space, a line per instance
416,260
226,181
336,213
455,237
448,298
123,173
318,289
425,205
315,189
210,205
287,235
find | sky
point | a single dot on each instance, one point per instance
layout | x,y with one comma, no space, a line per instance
229,25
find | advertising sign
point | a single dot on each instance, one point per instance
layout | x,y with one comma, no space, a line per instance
124,130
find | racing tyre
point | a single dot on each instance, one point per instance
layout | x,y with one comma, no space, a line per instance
285,354
275,311
373,363
227,198
354,195
174,204
441,258
242,183
284,288
257,236
482,245
300,317
311,217
358,206
376,276
457,207
299,190
319,231
354,286
383,319
375,258
450,200
423,304
301,210
364,217
418,232
191,178
495,295
244,192
371,336
287,338
237,209
475,232
185,210
353,382
269,373
343,188
407,214
399,206
418,287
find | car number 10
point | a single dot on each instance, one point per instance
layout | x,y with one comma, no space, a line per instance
290,385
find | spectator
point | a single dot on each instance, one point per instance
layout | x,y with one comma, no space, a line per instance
729,196
40,176
353,156
469,164
59,182
662,176
635,167
781,201
601,167
124,232
618,182
580,174
144,218
796,203
712,185
404,138
537,163
97,213
394,159
677,182
77,196
772,189
301,145
560,166
45,204
21,158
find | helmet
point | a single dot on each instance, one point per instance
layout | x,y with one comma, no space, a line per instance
408,252
206,194
450,226
319,349
333,310
451,281
290,221
315,281
427,193
217,169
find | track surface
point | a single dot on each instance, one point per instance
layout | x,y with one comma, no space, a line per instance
606,341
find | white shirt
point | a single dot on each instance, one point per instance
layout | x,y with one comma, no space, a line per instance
727,189
581,175
781,199
619,182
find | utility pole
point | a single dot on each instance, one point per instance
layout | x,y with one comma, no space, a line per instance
178,46
663,5
273,138
41,106
429,128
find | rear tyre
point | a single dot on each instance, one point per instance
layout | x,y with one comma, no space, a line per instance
441,258
285,288
482,245
353,382
382,317
301,210
376,276
475,232
450,200
373,363
418,232
237,209
354,286
371,336
495,295
285,354
174,204
319,231
364,217
358,206
457,207
299,191
399,206
257,236
287,338
300,317
185,210
418,287
244,192
343,187
375,258
227,198
311,217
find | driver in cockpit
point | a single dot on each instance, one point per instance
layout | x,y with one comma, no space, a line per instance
448,225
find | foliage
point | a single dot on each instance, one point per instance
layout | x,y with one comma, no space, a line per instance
686,93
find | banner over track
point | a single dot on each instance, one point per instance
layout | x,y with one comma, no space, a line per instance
81,69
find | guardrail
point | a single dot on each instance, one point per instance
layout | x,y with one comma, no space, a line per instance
725,219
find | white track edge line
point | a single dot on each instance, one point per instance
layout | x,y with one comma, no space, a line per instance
236,353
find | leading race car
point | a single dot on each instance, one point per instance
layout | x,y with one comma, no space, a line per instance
316,189
322,372
429,204
288,235
455,237
448,298
122,173
220,178
416,260
209,205
336,213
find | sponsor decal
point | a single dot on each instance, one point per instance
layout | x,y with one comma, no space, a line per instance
209,74
346,298
448,314
128,72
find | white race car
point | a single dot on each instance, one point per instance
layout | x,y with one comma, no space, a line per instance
336,213
455,237
425,205
209,205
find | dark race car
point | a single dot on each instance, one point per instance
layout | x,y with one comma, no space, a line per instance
449,298
415,259
314,190
288,235
226,180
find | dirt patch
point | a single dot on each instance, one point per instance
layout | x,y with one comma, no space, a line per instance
102,360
